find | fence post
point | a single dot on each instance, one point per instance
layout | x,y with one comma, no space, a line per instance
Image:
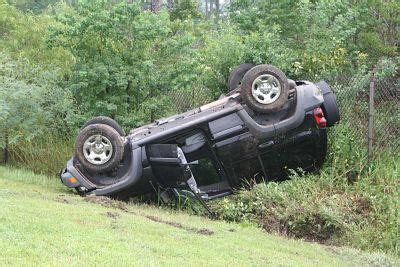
371,115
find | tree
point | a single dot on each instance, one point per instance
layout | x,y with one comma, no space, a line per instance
35,6
211,10
185,9
217,9
155,6
206,9
23,35
126,59
380,36
32,103
170,4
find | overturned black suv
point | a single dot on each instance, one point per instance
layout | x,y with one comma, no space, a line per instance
263,127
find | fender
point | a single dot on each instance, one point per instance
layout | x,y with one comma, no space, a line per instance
308,98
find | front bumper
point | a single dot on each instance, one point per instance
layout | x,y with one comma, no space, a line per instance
73,178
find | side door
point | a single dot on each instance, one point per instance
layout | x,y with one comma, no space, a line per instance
236,149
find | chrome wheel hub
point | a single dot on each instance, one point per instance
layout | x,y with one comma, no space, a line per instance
97,149
266,89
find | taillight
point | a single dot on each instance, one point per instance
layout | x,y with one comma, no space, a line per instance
319,117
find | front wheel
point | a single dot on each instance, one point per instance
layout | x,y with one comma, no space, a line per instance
99,148
236,76
265,89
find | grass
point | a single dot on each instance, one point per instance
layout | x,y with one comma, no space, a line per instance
43,223
46,155
346,203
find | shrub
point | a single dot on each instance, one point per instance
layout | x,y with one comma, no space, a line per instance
46,154
32,107
346,203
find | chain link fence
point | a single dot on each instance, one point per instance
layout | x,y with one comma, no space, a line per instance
369,108
184,100
386,112
369,105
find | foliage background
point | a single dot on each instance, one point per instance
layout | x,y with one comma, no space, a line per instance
63,62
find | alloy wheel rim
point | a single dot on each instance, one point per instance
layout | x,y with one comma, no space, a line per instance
97,149
266,89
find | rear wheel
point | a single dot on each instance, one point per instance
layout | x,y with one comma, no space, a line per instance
236,76
99,148
265,89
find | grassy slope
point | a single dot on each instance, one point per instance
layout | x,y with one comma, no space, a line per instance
43,223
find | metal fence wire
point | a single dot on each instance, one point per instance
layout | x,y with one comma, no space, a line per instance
373,120
386,113
184,100
369,104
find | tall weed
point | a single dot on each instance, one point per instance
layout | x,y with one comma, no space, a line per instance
45,155
346,203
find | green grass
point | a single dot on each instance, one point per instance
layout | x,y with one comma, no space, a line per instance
346,203
45,155
43,223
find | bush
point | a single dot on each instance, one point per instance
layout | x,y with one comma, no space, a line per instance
72,62
31,102
43,155
346,203
35,113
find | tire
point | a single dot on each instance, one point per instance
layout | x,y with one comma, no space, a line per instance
107,121
272,89
329,106
103,158
236,76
